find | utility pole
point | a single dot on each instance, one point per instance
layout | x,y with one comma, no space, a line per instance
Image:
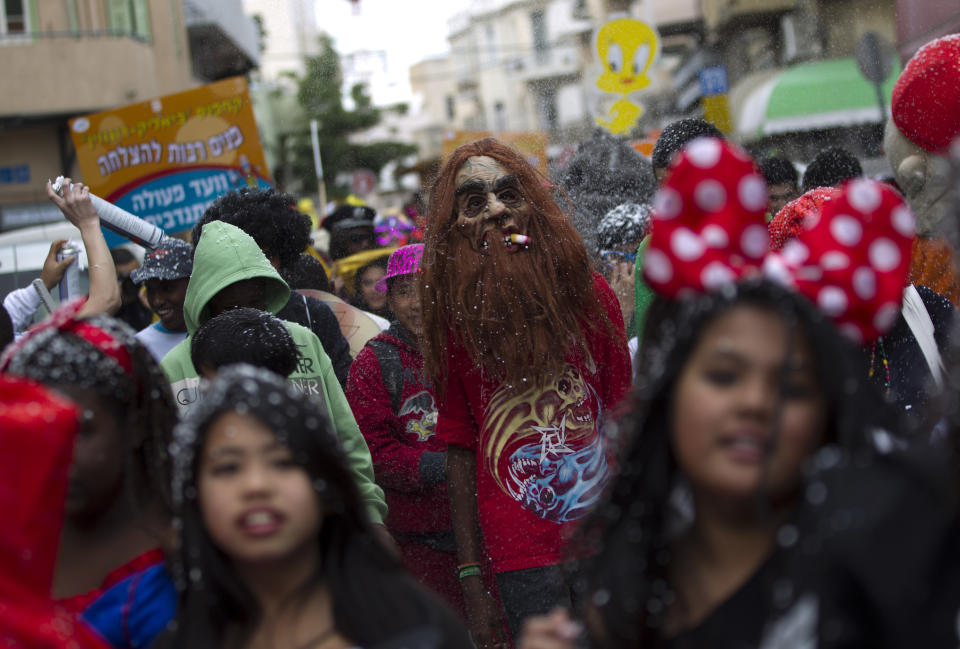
318,168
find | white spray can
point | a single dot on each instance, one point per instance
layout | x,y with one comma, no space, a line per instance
121,221
70,282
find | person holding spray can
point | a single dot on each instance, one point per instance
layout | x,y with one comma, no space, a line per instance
22,304
76,205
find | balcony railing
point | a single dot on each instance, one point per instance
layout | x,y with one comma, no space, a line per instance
29,37
717,13
552,62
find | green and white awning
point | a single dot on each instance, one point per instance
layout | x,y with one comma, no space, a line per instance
807,97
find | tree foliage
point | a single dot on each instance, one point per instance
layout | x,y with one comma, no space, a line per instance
319,94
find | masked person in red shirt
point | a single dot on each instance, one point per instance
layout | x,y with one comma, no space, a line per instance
525,345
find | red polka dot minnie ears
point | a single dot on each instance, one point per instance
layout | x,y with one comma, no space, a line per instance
851,260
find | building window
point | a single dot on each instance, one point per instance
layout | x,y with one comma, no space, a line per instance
141,18
548,108
540,45
580,10
129,17
500,116
14,17
451,107
491,44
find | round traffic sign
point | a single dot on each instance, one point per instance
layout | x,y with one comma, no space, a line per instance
363,182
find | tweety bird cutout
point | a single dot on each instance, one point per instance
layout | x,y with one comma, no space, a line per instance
626,48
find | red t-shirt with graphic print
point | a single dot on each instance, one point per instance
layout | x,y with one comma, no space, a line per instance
541,461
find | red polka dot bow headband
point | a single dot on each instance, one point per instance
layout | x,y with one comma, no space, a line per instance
851,260
64,319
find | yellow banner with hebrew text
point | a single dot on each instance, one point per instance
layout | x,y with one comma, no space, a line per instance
168,158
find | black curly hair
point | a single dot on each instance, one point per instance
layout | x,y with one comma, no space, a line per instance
676,135
830,168
777,170
266,215
244,336
6,328
306,272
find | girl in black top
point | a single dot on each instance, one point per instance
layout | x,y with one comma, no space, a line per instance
741,390
761,500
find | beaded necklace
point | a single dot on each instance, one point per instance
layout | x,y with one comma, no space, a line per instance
883,360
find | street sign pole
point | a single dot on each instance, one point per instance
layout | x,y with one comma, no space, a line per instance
318,168
883,107
874,58
714,87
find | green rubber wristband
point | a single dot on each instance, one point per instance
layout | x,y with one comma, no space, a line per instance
469,571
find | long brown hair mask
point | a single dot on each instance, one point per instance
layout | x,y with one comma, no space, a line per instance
517,315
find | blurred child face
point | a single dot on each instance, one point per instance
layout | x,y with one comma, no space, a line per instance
404,299
611,258
99,455
745,416
128,290
368,287
359,239
780,195
258,505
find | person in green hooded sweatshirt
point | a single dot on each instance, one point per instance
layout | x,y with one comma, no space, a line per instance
230,271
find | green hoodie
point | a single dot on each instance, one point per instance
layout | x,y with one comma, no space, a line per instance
226,254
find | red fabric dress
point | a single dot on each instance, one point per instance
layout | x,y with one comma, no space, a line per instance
36,447
79,603
541,456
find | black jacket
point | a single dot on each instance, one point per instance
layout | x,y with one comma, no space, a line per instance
868,560
911,383
317,317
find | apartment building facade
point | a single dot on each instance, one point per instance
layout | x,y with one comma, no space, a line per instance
529,65
63,59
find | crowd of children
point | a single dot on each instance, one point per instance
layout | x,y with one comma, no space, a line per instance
435,437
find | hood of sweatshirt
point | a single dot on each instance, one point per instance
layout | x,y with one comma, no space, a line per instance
225,255
400,337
